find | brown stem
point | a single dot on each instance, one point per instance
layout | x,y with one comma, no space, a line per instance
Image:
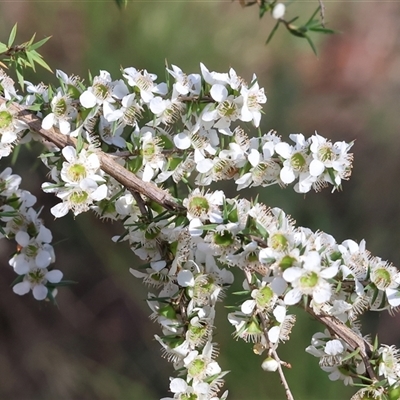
355,341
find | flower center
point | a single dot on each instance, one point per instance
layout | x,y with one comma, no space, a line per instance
78,197
309,280
36,276
297,161
6,119
76,172
278,241
198,206
227,109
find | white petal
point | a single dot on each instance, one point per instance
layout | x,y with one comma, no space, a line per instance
158,265
393,296
43,259
54,276
292,297
254,157
178,385
273,334
204,165
69,154
278,285
48,121
280,313
59,210
292,273
194,224
316,168
88,99
39,292
65,126
22,288
219,92
22,238
334,347
287,175
100,193
182,141
283,149
278,11
185,278
248,306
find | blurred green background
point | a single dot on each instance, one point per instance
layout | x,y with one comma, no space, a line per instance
99,343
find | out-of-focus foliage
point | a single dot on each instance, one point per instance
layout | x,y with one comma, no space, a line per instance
93,346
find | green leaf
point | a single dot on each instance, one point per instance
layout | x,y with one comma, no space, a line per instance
79,143
3,48
39,60
12,35
38,44
322,30
311,44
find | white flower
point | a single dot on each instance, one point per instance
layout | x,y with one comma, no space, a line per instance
77,198
62,112
10,126
79,166
36,281
309,280
153,159
145,82
252,98
185,84
103,90
7,85
296,160
389,365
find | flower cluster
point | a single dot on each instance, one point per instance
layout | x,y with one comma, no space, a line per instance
183,133
77,184
34,253
169,130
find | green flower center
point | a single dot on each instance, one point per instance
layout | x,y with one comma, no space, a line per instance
381,277
196,367
6,119
101,91
224,238
326,154
79,197
227,109
278,241
286,262
60,108
77,172
36,276
198,206
297,161
264,296
309,280
191,396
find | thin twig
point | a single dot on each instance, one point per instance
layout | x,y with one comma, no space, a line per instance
322,12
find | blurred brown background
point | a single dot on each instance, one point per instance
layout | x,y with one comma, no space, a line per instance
98,344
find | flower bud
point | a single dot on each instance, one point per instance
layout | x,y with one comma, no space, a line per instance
279,11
